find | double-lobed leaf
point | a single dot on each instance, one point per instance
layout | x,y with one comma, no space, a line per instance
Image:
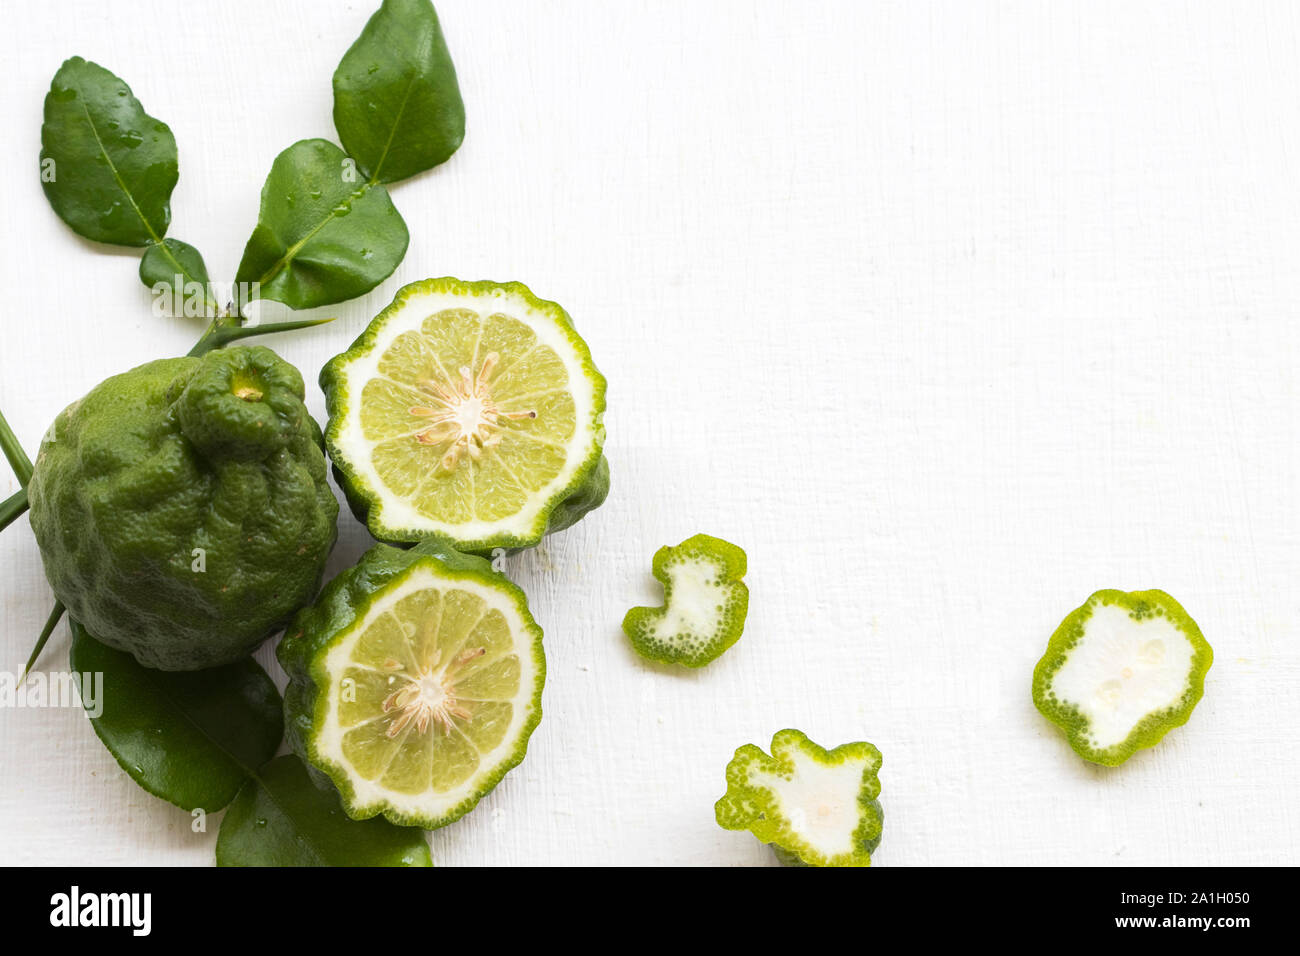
397,104
189,737
108,168
324,233
282,817
327,230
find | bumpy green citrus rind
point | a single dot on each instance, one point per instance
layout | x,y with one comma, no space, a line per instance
183,509
585,491
639,624
342,604
748,805
1151,729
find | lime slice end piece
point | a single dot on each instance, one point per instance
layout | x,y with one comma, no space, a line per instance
1121,672
705,603
816,807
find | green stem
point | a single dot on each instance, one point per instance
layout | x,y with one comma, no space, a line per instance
11,508
18,460
227,329
46,631
206,342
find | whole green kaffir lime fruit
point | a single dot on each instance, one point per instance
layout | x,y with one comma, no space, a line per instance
182,508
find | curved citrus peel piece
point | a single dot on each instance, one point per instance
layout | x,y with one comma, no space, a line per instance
414,683
1121,672
470,411
705,603
816,807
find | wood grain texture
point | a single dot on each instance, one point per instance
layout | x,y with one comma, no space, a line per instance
950,314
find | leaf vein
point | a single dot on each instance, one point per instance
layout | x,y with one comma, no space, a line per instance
94,131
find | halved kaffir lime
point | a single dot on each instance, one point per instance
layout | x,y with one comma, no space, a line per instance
415,682
469,411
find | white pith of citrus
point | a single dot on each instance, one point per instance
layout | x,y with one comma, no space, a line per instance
819,801
699,596
1122,670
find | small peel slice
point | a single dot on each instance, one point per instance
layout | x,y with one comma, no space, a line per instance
415,682
705,603
1121,672
816,807
470,411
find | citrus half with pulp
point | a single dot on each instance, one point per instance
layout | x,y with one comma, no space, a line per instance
414,683
469,411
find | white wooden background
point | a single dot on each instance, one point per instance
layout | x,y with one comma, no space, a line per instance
950,314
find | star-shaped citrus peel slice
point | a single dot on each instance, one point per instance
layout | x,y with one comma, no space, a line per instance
816,807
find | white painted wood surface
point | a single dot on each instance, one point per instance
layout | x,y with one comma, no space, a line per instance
948,313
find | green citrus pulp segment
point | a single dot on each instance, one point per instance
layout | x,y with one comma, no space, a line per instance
429,686
468,410
705,603
1121,672
816,807
419,696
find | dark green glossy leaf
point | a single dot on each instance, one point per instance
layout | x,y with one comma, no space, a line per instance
397,104
176,270
108,168
283,818
323,235
190,737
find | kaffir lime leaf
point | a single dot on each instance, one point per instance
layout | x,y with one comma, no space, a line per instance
816,807
415,682
470,411
1121,672
705,603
